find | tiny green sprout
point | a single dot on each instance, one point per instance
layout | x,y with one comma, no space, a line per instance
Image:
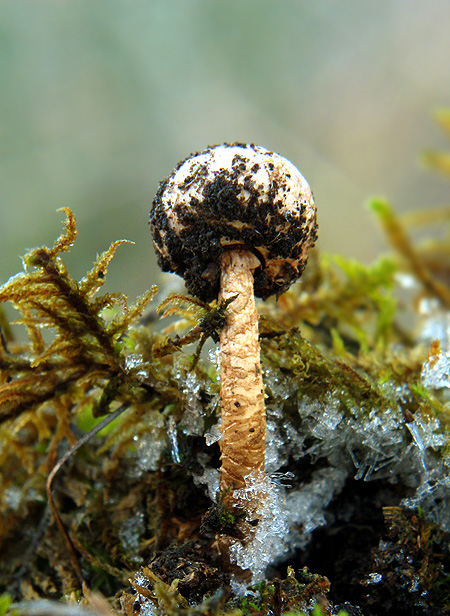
221,519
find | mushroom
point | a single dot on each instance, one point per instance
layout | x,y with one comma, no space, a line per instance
236,221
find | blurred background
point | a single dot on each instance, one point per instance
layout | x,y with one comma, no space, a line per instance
99,100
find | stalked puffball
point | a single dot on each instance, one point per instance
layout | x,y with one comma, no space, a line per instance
230,196
236,221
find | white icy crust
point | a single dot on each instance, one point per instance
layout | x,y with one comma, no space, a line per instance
264,502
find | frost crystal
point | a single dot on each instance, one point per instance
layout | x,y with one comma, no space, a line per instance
149,446
209,478
146,607
192,422
433,495
306,506
12,497
436,371
435,323
374,578
425,432
337,442
130,534
214,358
173,439
341,443
282,441
213,435
277,383
265,501
132,362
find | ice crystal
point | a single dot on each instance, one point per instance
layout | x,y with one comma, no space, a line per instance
363,444
173,439
12,497
130,534
432,496
150,445
368,443
426,432
132,362
435,323
436,371
282,440
214,435
282,479
374,578
209,478
277,383
266,502
192,422
306,506
146,607
214,358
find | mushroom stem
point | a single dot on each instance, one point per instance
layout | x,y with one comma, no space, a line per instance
242,391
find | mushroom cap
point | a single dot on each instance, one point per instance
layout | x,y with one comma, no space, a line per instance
229,196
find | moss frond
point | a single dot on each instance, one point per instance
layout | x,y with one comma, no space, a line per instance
82,346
